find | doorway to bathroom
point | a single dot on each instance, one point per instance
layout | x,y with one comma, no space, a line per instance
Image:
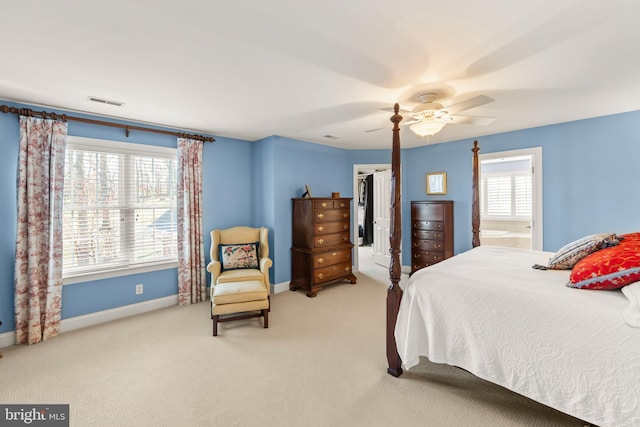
511,198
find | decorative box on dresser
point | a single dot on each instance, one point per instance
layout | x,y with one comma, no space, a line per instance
431,232
321,237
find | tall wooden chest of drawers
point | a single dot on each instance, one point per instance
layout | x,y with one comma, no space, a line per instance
321,237
431,233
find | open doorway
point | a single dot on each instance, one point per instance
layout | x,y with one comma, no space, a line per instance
511,198
371,183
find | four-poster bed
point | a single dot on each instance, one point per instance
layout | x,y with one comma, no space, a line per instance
487,311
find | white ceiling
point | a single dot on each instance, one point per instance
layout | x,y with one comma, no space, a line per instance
249,69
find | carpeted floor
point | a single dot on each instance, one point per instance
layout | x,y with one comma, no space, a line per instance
321,363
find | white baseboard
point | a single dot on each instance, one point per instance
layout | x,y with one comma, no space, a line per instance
9,338
280,287
284,286
91,319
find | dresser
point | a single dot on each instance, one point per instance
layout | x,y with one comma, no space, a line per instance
431,233
321,243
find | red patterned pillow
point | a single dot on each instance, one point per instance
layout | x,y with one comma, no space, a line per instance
630,236
609,268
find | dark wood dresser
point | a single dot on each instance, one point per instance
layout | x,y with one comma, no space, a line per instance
321,237
431,233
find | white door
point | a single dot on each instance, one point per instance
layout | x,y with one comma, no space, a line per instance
381,217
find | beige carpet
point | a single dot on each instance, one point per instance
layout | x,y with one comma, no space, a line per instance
321,363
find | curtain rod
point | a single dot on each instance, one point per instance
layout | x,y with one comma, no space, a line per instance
30,113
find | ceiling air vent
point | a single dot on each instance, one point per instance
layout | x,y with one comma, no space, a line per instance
106,101
330,137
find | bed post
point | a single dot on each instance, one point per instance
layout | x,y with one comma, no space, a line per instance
475,207
394,293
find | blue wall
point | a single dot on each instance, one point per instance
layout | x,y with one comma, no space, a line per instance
8,168
589,177
283,167
228,179
589,182
296,164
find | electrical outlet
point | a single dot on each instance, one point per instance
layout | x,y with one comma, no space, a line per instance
139,289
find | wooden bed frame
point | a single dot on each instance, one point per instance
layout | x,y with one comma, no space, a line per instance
394,293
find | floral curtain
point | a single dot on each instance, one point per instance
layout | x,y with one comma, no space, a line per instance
38,264
192,286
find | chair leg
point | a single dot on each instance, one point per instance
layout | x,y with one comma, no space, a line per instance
265,313
215,325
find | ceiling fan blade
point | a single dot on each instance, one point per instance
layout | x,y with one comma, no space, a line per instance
471,120
476,101
373,130
409,122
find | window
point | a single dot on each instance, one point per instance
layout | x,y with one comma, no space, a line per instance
119,209
506,191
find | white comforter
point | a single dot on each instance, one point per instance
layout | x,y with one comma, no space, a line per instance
489,312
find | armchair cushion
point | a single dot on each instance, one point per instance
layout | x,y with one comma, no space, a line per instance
239,256
237,292
240,275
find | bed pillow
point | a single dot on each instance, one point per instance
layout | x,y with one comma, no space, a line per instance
609,268
239,255
629,236
573,252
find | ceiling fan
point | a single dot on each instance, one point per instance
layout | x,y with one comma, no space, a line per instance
429,117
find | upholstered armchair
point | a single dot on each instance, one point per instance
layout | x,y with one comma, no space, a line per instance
239,270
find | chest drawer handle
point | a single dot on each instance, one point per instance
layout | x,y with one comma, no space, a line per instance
320,241
334,254
346,269
320,275
320,216
321,228
320,260
346,215
345,227
346,239
342,205
324,205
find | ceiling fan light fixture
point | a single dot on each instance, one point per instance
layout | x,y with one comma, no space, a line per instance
427,127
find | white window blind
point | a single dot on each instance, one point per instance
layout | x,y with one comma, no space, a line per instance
119,207
506,195
523,195
498,195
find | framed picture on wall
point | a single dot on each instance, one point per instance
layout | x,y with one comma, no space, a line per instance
437,183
